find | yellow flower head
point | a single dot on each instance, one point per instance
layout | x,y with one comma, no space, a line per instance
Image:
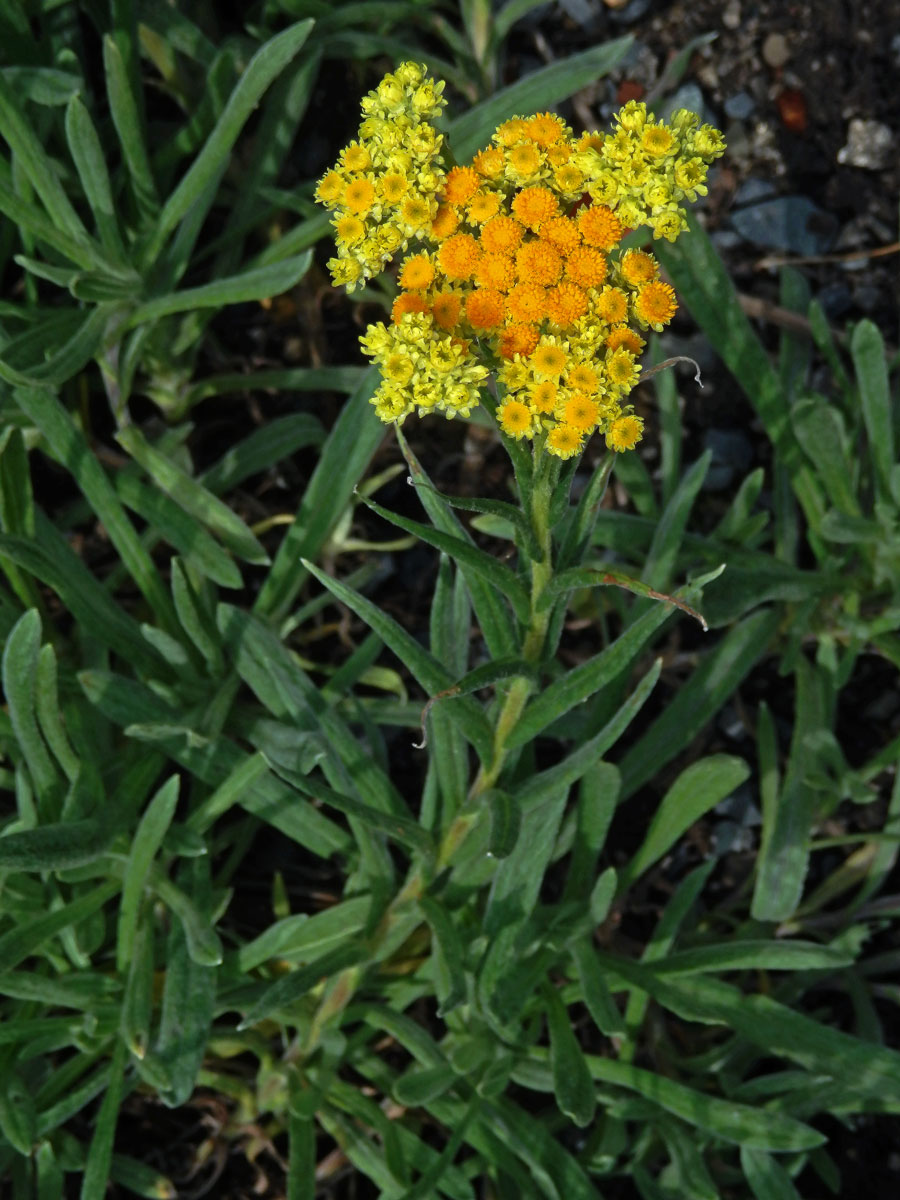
624,433
515,418
564,441
549,360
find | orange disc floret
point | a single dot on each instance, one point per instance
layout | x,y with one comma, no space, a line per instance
483,206
518,338
514,418
489,162
527,302
549,360
538,262
485,308
359,196
624,433
564,441
586,266
461,185
417,272
445,223
638,267
563,233
524,159
612,305
623,337
600,226
545,128
408,302
445,308
580,411
496,271
534,205
655,304
458,256
566,303
501,235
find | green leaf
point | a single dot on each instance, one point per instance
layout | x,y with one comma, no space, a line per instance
698,788
464,711
495,573
280,997
605,575
304,938
265,65
17,1115
56,847
754,955
767,1178
576,685
539,90
518,878
870,361
87,154
192,496
276,440
448,955
129,126
254,284
697,701
572,1083
99,1159
71,449
669,532
20,659
147,840
820,431
595,990
29,935
506,822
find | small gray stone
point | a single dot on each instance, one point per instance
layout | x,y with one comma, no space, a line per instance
790,223
731,15
740,106
870,145
752,191
775,50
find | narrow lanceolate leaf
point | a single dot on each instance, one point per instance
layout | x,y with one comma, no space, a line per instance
495,573
754,955
572,1083
506,822
20,660
87,154
55,847
427,670
496,508
99,1159
595,990
577,685
267,63
30,935
257,284
192,496
447,955
700,787
147,839
17,1114
586,577
870,360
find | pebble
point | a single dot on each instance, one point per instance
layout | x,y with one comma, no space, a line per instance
739,106
870,145
732,455
790,223
775,50
753,190
731,16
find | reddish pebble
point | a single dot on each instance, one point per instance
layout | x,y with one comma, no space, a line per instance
792,109
629,90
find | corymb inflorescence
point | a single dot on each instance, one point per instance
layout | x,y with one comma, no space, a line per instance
514,265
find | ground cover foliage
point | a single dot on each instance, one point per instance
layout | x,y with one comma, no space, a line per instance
444,991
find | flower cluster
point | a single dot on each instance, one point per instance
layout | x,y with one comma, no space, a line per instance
383,189
519,269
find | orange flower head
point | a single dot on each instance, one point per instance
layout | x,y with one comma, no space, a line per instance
623,337
445,308
408,302
538,262
458,256
416,273
638,267
600,226
511,131
586,267
359,196
655,303
483,206
518,338
489,162
566,303
534,205
527,302
462,184
612,305
496,271
485,308
563,233
581,412
445,223
501,235
545,128
525,159
564,441
514,418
